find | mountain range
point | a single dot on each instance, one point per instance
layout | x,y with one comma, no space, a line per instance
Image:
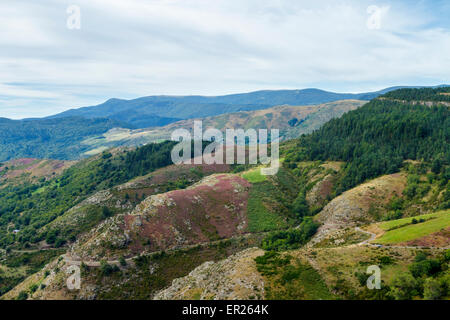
369,187
161,110
85,131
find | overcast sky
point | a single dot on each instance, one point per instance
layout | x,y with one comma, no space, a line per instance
133,48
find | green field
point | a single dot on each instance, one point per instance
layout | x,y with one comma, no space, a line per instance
254,176
394,224
403,232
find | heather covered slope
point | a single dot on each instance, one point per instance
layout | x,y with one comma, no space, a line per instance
31,205
31,170
125,197
212,210
221,208
218,207
312,271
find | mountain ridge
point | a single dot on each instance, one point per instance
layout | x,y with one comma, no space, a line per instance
174,108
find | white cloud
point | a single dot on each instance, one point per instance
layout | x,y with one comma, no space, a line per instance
130,48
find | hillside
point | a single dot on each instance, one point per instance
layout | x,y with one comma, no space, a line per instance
30,206
188,107
31,170
428,230
125,197
235,278
435,95
50,138
120,269
220,206
306,274
292,121
376,138
70,138
348,196
67,136
355,207
220,221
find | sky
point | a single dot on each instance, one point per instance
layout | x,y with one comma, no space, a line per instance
62,54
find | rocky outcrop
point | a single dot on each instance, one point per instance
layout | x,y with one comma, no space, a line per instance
356,206
234,278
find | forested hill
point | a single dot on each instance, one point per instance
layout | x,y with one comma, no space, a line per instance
49,138
173,108
376,138
428,94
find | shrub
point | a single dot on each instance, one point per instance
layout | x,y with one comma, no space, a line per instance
420,256
106,212
386,260
34,287
432,289
270,262
22,295
107,269
404,287
290,239
362,278
426,267
300,206
59,242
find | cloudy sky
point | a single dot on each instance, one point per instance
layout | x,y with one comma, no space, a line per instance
132,48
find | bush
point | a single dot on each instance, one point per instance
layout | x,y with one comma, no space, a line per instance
432,289
269,263
362,278
23,295
290,239
447,255
300,206
386,260
34,287
106,212
107,269
394,215
420,256
427,267
59,242
404,287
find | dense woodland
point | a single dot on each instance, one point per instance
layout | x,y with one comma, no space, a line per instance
427,94
49,138
377,138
